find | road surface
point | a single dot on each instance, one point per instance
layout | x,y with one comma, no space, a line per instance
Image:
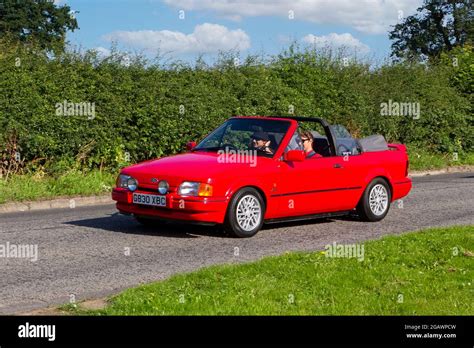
93,252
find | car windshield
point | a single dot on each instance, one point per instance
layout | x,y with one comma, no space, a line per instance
243,134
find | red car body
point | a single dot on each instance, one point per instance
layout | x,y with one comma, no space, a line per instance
290,189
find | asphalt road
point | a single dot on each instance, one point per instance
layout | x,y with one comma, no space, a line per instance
93,252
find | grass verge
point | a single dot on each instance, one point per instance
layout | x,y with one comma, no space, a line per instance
422,273
421,160
74,183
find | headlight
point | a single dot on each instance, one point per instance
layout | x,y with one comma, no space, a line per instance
197,189
163,187
126,181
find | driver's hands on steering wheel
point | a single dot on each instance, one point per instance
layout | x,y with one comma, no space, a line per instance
265,148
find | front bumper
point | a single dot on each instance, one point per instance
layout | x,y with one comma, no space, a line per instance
186,209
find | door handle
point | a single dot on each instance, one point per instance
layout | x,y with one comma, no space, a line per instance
338,165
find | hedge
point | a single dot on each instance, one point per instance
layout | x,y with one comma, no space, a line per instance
145,109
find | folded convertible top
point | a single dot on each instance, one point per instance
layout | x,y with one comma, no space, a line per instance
373,143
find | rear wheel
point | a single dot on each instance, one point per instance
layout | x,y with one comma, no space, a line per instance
244,217
375,202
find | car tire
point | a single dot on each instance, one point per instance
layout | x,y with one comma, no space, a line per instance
375,202
245,213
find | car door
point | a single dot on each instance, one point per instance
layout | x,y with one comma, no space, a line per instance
312,186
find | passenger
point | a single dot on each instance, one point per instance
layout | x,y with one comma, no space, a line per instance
307,140
261,142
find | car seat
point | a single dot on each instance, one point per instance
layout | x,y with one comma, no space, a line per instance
321,146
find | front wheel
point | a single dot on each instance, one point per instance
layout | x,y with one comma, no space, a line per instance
245,213
375,201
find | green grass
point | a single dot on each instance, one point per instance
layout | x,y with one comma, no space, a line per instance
423,267
422,160
73,183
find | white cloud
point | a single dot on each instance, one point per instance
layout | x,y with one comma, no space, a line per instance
206,38
334,40
102,51
369,16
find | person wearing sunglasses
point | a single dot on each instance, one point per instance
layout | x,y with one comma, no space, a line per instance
261,142
307,141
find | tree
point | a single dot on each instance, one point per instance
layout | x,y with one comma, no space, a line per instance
36,20
438,26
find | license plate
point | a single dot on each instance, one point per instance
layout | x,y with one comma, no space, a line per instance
155,200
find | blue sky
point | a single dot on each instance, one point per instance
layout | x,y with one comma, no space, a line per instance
184,29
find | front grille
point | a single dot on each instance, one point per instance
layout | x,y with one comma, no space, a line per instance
154,190
147,189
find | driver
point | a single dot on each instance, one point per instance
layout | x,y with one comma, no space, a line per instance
261,141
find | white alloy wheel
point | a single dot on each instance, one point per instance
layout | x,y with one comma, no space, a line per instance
378,199
248,213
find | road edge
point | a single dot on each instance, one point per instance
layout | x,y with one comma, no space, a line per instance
74,202
447,170
59,203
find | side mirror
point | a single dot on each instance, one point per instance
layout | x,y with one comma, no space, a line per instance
295,156
191,145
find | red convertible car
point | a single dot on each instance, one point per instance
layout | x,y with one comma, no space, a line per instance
256,170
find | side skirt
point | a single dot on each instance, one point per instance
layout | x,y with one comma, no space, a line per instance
309,217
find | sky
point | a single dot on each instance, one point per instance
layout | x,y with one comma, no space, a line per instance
186,29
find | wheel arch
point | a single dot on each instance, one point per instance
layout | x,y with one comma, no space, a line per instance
379,173
254,186
390,186
367,183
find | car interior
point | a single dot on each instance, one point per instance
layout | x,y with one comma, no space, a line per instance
349,146
321,145
346,145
